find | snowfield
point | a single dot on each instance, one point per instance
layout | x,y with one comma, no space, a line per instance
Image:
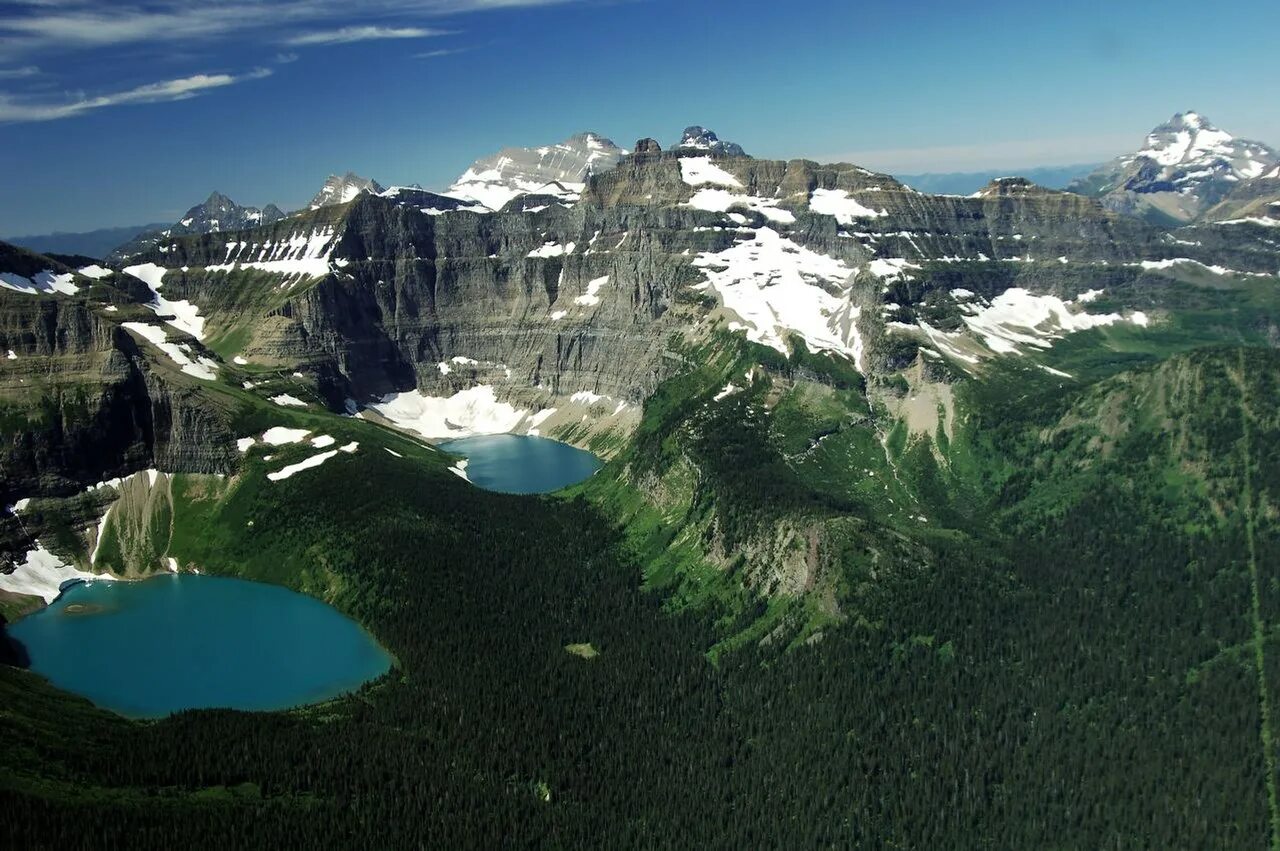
836,202
780,288
42,574
43,283
473,411
698,171
1016,318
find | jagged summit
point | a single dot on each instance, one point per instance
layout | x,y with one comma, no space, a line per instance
217,213
701,139
340,190
1185,166
560,170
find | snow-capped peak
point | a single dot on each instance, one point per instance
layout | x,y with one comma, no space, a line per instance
340,190
560,170
1184,167
1190,140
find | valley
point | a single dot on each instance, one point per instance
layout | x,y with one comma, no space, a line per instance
798,508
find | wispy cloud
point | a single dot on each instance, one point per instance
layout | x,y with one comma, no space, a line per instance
69,24
18,73
14,110
444,51
346,35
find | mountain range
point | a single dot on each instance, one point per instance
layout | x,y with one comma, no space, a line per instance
926,520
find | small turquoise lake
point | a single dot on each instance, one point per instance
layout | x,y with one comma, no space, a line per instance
517,463
146,649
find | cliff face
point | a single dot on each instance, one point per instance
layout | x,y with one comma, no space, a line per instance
82,403
549,298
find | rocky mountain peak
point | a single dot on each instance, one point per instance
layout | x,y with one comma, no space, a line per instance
560,170
648,146
700,138
215,214
1185,166
340,190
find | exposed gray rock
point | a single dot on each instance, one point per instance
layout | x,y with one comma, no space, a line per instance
701,139
340,190
559,170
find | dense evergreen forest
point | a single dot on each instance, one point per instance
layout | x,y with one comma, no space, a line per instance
1084,657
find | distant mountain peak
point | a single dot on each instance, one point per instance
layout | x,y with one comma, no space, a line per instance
700,138
1185,166
216,214
560,170
341,189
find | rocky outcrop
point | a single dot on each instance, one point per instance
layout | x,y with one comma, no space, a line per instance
699,138
560,170
341,189
82,402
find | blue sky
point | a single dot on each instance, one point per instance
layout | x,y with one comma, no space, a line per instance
117,113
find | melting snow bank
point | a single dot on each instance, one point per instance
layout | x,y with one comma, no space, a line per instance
1017,317
43,283
780,288
186,316
42,574
466,413
460,470
200,367
314,460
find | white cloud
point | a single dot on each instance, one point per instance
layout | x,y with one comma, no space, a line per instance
18,73
184,88
346,35
96,23
447,51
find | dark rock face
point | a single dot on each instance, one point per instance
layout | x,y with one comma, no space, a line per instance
83,403
648,146
218,213
701,139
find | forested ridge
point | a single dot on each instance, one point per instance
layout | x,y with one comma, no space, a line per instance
1073,664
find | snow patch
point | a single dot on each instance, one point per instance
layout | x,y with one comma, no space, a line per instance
305,464
592,297
279,435
42,283
473,411
198,367
697,171
186,316
836,202
42,574
288,400
780,288
1017,317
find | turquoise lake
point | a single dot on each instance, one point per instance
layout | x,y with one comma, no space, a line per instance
516,463
146,649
